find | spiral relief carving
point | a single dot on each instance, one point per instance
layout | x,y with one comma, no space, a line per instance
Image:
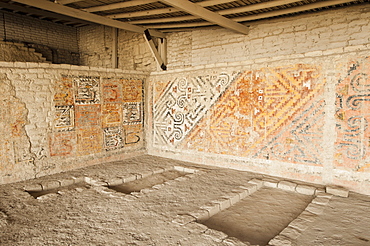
360,83
353,107
224,79
184,102
356,124
183,84
355,102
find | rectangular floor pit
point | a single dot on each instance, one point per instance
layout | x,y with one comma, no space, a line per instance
147,182
261,216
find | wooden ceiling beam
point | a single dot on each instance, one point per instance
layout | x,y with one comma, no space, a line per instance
162,10
118,5
292,10
208,15
257,6
270,14
64,2
248,8
164,20
75,13
143,13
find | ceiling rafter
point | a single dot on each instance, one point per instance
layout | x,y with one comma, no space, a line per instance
163,10
143,13
292,10
248,8
274,13
257,6
164,20
64,2
118,5
54,7
208,15
170,15
43,14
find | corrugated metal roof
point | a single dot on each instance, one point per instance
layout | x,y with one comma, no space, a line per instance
164,17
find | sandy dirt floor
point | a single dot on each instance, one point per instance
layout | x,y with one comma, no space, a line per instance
92,214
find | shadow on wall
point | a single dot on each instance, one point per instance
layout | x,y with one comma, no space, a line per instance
17,51
56,56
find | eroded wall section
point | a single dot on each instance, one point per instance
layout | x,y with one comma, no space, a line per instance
60,117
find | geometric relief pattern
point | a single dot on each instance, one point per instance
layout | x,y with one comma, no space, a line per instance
271,113
112,92
299,141
63,92
113,138
183,103
89,141
353,117
132,90
64,118
133,134
87,90
132,113
111,114
62,143
90,114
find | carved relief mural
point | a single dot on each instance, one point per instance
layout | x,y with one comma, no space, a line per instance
132,113
112,91
88,116
89,141
353,117
271,113
87,90
183,103
132,90
93,115
64,118
63,143
133,134
113,138
112,114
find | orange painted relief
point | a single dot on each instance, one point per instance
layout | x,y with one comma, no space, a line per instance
89,141
112,92
159,88
271,113
88,116
112,114
63,143
64,92
90,113
353,118
133,134
132,90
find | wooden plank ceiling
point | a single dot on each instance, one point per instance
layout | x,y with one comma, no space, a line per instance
167,15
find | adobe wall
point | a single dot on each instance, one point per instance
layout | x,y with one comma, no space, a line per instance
95,45
61,117
56,42
291,99
27,29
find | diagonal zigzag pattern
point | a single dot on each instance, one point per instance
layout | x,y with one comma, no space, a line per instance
257,107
